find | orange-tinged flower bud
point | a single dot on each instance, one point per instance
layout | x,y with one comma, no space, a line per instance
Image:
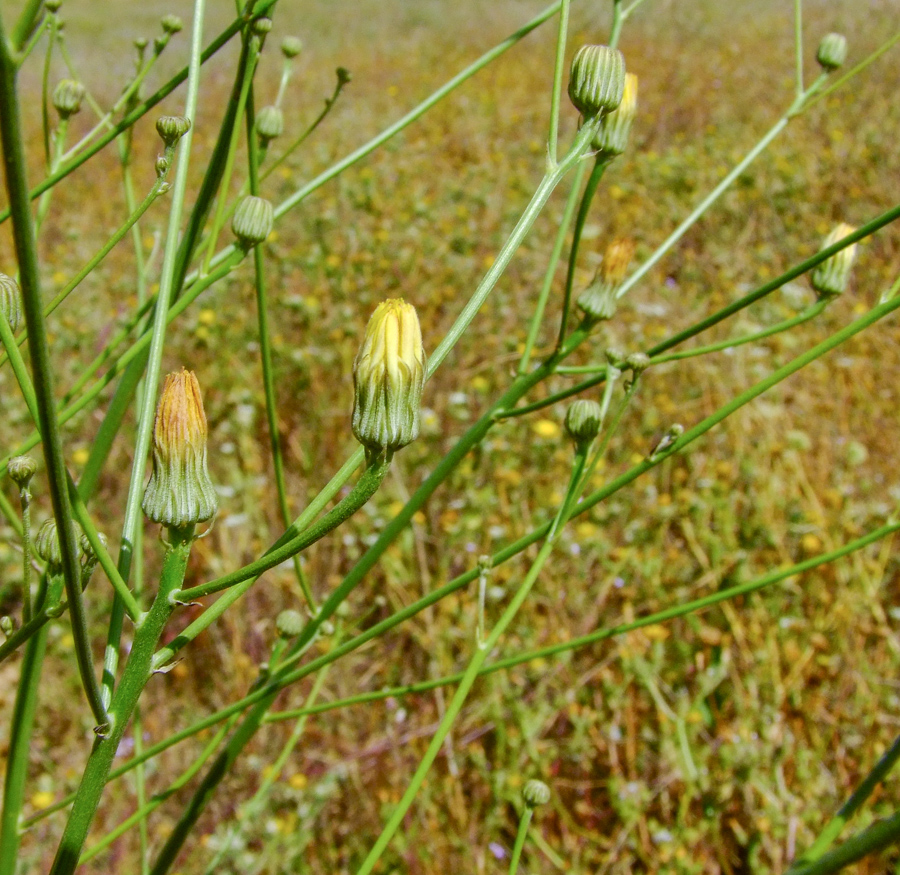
598,300
180,492
388,376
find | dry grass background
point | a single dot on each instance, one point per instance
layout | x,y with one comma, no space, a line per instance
717,743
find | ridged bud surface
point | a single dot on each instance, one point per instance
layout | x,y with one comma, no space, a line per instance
171,23
46,545
612,138
269,123
597,79
599,300
180,492
583,420
67,97
291,46
252,221
388,378
832,51
21,469
535,793
171,128
830,278
289,623
10,301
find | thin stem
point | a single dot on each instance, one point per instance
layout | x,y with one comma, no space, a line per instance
583,210
618,19
521,835
558,72
21,726
880,835
538,317
798,45
26,253
27,22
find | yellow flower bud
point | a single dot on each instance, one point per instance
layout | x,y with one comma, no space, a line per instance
598,300
180,492
388,376
831,276
612,138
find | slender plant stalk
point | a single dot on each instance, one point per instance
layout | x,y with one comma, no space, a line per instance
134,677
21,726
521,835
880,835
558,72
26,253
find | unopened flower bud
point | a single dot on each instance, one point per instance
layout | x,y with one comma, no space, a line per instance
180,492
597,79
46,545
269,123
290,624
171,24
261,26
162,166
52,5
172,128
140,43
291,46
638,362
252,221
598,301
21,469
10,301
535,793
831,276
89,557
7,627
388,377
583,420
612,138
67,97
343,76
832,51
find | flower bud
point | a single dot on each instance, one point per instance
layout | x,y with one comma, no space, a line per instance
46,545
269,123
597,79
7,627
140,43
388,377
291,46
612,138
89,557
261,26
252,221
290,624
598,301
830,277
162,166
180,492
52,5
535,793
10,301
638,362
67,97
583,420
171,24
21,469
832,51
172,128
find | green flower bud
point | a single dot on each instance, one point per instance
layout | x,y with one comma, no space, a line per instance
21,469
261,26
252,221
7,627
269,123
89,557
172,128
388,377
46,545
343,76
599,300
291,46
290,624
831,276
52,5
832,51
535,793
612,138
67,97
583,420
638,362
162,166
180,492
597,79
171,24
140,43
10,301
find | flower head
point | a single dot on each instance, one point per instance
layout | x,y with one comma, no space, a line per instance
830,277
597,79
612,138
180,492
388,377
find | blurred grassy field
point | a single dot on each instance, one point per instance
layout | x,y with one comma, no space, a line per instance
717,743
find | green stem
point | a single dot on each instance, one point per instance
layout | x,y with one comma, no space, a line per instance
583,209
538,317
465,685
850,807
26,253
365,488
134,677
521,835
798,45
25,25
880,835
21,726
558,72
